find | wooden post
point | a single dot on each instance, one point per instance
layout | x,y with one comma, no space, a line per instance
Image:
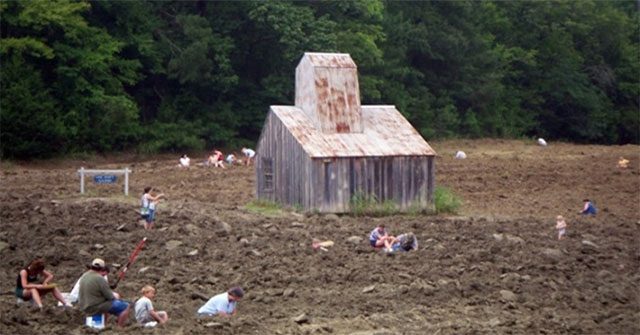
81,180
126,181
83,172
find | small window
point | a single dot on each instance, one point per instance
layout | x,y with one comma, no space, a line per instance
267,174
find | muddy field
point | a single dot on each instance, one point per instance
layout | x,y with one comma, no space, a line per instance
496,267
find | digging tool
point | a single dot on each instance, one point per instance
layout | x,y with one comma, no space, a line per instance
132,259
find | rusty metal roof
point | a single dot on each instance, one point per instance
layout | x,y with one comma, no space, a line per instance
320,59
385,133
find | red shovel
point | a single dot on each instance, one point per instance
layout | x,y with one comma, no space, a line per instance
132,259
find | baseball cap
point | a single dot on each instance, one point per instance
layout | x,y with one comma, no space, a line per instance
98,263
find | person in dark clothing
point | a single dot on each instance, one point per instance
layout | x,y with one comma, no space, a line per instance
34,281
588,208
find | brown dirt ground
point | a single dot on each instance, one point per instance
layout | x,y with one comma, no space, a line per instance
455,283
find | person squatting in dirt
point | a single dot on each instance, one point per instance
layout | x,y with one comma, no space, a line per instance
561,226
148,210
588,208
30,284
73,296
379,238
146,315
223,304
249,154
185,161
405,242
231,159
95,296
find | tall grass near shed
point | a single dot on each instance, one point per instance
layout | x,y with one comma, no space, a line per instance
446,201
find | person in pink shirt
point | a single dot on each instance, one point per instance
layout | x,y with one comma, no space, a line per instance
216,159
561,226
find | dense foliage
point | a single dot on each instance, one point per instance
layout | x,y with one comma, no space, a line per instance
179,75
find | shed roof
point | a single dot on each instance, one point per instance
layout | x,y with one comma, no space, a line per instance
321,59
385,133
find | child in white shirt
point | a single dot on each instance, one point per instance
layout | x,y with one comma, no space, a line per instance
146,315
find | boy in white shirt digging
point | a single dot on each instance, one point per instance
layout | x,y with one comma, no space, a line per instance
146,315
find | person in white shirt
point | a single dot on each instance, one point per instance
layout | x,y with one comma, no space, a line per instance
231,159
223,304
249,154
185,161
461,155
146,315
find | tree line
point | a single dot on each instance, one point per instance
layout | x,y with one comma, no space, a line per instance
157,76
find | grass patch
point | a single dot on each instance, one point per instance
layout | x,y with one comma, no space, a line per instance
367,204
446,201
416,209
264,207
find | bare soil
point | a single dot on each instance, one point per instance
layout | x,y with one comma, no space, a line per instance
496,267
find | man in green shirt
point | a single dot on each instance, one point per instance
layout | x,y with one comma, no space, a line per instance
95,296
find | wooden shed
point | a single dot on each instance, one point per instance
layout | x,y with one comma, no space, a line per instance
328,149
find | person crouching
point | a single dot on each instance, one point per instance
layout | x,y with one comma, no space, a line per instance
95,296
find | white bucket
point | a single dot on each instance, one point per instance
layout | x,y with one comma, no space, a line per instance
95,321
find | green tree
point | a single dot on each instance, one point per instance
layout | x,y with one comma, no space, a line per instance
81,68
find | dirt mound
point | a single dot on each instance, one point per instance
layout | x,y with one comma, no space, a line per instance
497,268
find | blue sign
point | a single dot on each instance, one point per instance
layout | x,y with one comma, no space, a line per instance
105,179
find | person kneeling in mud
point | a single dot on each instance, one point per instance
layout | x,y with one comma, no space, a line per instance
405,242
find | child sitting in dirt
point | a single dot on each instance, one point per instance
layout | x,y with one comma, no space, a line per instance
146,315
561,226
588,208
379,238
28,288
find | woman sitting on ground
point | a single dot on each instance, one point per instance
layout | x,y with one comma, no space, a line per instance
216,159
28,286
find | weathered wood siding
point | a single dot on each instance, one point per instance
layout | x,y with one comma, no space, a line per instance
408,181
328,184
290,166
